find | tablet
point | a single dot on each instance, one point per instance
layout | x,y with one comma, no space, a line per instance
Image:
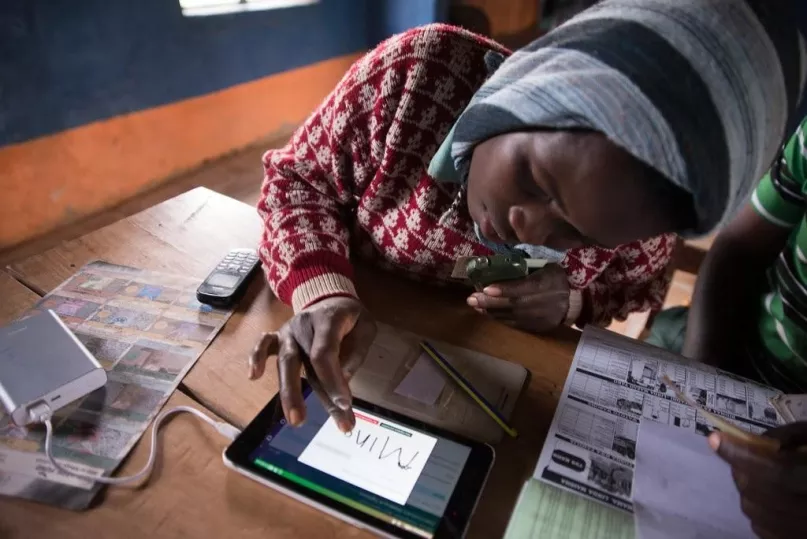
393,475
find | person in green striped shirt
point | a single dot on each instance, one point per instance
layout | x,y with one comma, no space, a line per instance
749,311
749,316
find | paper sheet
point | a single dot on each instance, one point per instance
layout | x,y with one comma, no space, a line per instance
682,487
547,512
613,385
424,382
146,329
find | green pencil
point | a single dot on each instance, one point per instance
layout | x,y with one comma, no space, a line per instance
455,375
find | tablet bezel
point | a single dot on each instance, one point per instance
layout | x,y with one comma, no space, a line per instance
460,506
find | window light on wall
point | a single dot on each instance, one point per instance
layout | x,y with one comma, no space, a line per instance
201,8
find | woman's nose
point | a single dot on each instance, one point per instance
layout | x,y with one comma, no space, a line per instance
531,224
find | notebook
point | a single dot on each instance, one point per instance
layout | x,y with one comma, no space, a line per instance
399,376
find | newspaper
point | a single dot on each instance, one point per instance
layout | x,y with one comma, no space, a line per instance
147,330
613,385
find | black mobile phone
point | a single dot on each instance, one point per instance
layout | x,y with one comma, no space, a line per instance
228,280
394,475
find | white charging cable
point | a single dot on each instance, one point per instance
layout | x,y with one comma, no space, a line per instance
41,413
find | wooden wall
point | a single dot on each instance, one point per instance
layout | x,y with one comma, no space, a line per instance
514,23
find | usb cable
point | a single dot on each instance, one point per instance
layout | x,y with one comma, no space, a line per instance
41,413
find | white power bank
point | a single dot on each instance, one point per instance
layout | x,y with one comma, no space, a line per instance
41,361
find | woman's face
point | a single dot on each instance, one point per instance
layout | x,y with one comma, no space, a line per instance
566,189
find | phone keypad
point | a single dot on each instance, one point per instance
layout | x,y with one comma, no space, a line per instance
238,262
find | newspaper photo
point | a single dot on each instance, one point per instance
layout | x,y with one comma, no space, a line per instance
146,329
613,385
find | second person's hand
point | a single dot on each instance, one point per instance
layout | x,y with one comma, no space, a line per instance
772,486
330,339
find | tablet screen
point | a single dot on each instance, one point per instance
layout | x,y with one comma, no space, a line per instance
387,470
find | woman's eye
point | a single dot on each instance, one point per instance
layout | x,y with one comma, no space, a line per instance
529,187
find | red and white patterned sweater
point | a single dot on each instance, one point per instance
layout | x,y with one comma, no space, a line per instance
353,177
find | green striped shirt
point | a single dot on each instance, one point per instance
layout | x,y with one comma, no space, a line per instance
781,199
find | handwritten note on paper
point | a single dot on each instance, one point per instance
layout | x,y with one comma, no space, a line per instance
682,486
424,382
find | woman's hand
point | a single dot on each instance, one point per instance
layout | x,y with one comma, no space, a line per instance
773,487
537,303
330,339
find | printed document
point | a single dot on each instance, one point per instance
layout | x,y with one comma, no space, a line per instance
613,386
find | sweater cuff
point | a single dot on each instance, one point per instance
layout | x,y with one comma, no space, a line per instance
323,286
313,277
575,306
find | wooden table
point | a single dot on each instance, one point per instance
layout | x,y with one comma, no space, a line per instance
191,493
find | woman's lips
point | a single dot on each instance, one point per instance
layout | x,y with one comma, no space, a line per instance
563,243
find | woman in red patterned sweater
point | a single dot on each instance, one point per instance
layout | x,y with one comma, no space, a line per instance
354,176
